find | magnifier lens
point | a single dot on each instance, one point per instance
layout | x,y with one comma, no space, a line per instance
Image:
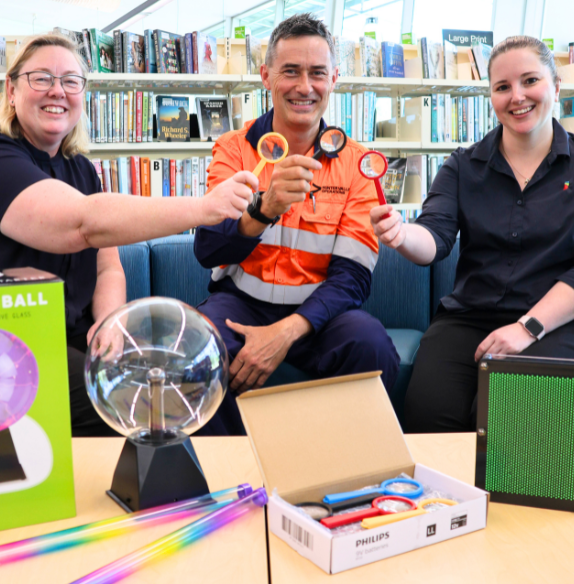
271,148
332,141
316,512
393,506
402,487
373,165
434,506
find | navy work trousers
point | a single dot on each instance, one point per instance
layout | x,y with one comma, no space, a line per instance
353,342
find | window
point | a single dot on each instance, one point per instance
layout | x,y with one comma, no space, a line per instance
217,30
315,7
389,13
260,20
431,16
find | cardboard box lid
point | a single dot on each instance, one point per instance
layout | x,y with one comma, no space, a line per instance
309,437
13,276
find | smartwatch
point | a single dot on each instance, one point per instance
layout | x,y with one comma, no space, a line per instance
254,210
533,326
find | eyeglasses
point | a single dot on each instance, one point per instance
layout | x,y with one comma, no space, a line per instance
42,81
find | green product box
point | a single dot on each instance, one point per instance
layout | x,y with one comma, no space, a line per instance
371,34
241,31
549,43
36,473
407,38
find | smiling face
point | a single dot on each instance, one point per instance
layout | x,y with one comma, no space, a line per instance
300,79
522,92
47,117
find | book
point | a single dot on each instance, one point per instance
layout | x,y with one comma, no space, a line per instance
253,54
134,53
167,51
87,48
165,188
435,60
149,52
102,46
156,177
450,64
2,54
179,178
394,180
370,59
145,177
135,175
473,68
204,53
173,118
213,117
481,54
118,51
567,107
392,60
172,174
188,43
345,55
423,50
75,36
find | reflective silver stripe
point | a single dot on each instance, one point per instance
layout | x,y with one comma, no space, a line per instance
299,239
272,235
274,293
352,249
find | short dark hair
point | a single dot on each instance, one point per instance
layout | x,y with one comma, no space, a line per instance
526,42
299,25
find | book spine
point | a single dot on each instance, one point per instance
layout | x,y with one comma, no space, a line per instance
248,52
348,113
165,178
156,178
159,60
147,39
150,117
434,118
94,46
440,117
125,109
98,166
447,118
88,110
110,116
195,52
118,51
145,116
187,177
135,175
195,176
97,116
123,175
114,175
188,42
139,116
179,178
465,119
172,172
107,184
201,177
425,57
87,48
131,116
180,44
145,177
118,117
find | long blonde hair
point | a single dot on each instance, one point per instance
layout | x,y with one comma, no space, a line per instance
77,141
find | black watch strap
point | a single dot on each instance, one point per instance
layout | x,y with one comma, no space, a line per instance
254,211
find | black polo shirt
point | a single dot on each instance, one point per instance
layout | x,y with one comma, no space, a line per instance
22,165
514,245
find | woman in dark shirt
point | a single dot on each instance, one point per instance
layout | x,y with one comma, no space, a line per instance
511,199
47,222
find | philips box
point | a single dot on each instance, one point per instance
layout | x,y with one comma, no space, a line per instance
36,477
341,434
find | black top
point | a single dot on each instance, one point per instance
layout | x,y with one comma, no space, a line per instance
514,245
22,165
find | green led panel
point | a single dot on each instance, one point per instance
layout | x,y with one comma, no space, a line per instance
530,436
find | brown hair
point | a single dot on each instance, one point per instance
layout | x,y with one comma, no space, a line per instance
77,141
295,26
526,42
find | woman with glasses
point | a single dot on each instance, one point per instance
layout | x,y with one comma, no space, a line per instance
48,222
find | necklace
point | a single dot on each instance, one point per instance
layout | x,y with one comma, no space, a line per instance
514,169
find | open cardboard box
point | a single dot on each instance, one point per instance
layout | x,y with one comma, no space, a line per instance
341,434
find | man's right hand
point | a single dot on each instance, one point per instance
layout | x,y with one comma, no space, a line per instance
290,183
229,199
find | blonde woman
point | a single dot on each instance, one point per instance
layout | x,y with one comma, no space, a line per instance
48,222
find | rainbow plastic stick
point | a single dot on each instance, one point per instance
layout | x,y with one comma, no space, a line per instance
59,540
127,565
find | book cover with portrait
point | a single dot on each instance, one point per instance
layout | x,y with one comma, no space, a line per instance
102,46
173,118
213,117
204,53
134,53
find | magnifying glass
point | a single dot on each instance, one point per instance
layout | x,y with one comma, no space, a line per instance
272,148
331,141
380,506
436,504
373,165
400,486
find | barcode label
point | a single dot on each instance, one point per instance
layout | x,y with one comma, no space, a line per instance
297,532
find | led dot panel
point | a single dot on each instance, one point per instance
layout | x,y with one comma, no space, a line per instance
530,436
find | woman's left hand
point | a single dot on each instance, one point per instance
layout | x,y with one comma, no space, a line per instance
507,340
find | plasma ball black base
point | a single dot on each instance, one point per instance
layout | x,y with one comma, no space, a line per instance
10,467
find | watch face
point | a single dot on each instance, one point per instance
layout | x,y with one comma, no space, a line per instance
534,327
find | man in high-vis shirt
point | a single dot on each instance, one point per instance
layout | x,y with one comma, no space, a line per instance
290,276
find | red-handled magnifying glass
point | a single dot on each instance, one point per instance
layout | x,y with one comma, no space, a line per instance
380,506
373,165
